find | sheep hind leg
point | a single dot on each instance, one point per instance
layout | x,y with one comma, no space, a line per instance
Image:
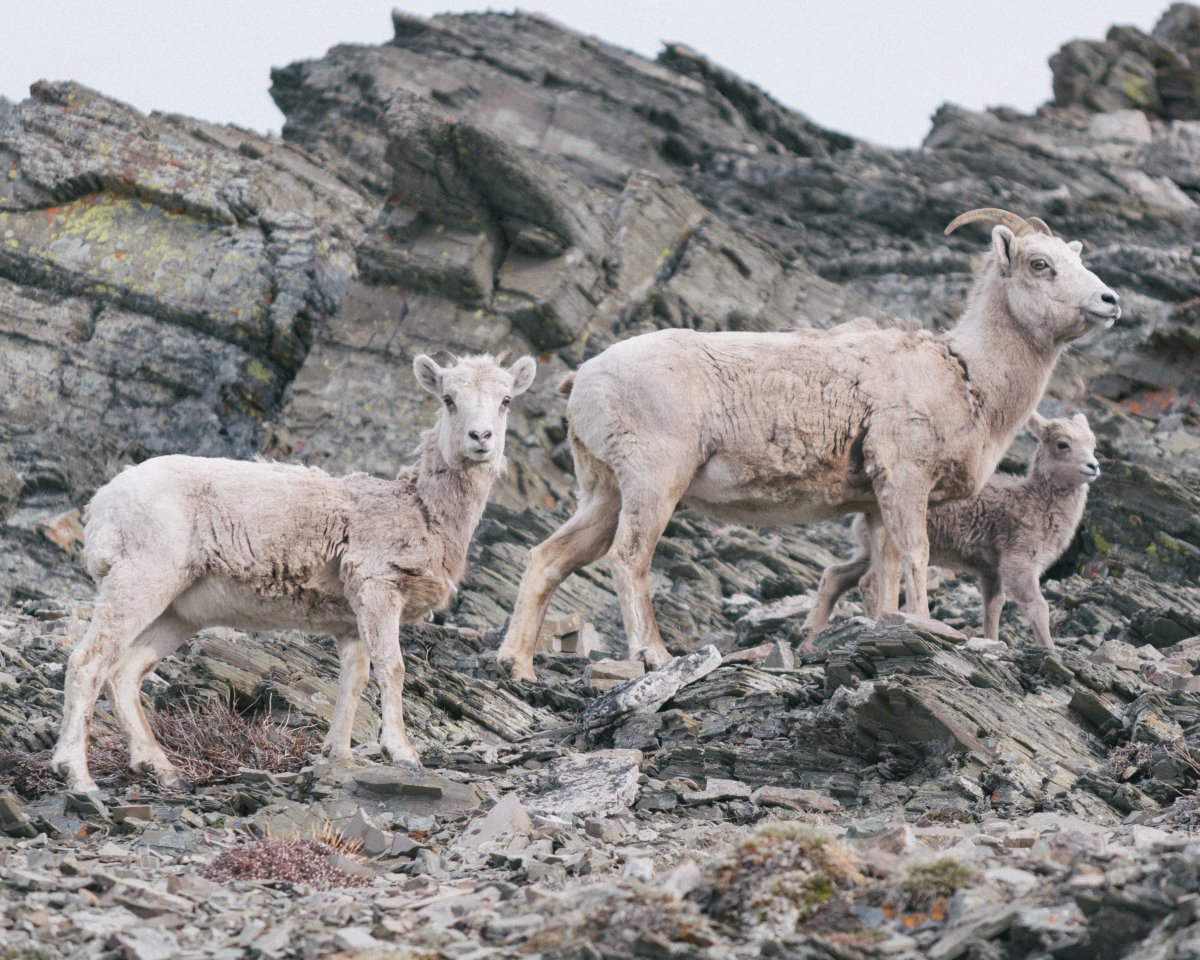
641,524
126,604
354,665
583,539
162,638
836,580
378,607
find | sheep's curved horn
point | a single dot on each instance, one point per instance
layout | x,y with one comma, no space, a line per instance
1018,225
1040,225
503,358
445,358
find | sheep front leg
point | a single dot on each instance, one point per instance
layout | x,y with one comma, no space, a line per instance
884,592
354,665
378,609
993,604
904,508
1021,583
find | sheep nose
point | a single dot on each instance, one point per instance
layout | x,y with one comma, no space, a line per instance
480,436
1094,466
1110,297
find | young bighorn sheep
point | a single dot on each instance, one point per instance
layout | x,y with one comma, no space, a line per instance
1007,535
179,543
808,424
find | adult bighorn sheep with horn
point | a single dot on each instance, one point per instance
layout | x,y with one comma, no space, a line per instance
178,543
771,428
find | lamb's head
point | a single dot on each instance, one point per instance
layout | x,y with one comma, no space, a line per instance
475,393
1047,288
1066,454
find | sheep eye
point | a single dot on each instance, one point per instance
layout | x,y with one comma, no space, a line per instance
448,401
1038,264
1063,445
505,402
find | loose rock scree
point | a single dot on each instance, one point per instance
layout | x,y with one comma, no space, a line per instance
770,428
179,543
1007,535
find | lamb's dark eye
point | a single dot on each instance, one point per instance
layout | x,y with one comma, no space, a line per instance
505,402
1038,264
448,401
1063,445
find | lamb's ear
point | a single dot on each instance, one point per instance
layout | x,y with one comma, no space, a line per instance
1075,246
1004,242
429,374
1037,424
1080,419
523,372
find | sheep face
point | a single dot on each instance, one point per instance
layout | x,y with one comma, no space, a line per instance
1050,289
1066,454
475,393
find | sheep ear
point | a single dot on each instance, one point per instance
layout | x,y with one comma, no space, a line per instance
429,374
1004,242
523,372
1037,424
1080,419
1075,246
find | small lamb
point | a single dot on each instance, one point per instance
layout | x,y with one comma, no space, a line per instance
1007,535
180,543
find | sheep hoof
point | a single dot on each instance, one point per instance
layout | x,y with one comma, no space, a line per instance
519,670
655,658
174,783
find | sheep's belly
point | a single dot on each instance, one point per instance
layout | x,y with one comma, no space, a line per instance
216,601
724,491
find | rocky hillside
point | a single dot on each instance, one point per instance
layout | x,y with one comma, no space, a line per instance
496,181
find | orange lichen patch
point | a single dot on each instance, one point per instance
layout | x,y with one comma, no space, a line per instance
1152,404
119,254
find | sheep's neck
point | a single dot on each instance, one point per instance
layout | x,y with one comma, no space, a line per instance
452,498
1008,372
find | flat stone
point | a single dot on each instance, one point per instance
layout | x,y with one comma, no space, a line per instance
149,943
795,798
770,616
134,811
12,818
606,674
985,645
425,788
590,784
781,657
646,694
508,818
926,625
86,805
357,938
716,789
1117,654
147,900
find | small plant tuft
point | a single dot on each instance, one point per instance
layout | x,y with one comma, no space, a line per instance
925,883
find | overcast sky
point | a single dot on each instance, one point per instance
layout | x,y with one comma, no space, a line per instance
875,69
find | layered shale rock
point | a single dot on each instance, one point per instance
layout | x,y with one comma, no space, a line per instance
488,182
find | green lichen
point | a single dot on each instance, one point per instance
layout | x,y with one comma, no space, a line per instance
1102,545
1134,89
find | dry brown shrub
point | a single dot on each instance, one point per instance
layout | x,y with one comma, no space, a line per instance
207,744
291,861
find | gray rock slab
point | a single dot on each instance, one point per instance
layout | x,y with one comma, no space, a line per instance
590,784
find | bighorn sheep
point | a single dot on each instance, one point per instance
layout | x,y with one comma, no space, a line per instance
1007,535
179,543
808,424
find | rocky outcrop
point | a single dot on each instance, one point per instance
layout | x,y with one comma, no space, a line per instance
496,181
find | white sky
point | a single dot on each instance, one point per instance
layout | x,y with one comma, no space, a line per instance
876,69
